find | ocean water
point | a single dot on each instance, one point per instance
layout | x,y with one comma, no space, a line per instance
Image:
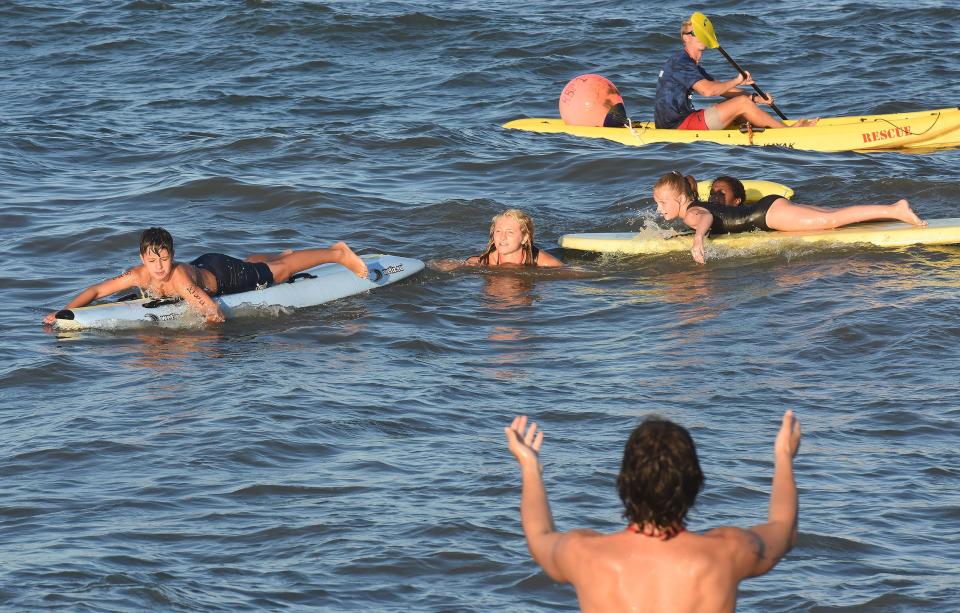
351,456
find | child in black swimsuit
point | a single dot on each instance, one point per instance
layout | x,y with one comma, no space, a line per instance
676,198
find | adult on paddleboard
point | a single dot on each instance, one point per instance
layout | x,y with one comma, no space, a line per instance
511,243
212,274
655,563
675,198
682,74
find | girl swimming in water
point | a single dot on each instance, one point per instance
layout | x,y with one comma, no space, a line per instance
675,198
511,243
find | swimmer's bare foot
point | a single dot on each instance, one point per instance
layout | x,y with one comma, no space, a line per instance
351,260
805,123
904,213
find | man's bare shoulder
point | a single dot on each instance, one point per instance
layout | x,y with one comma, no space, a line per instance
727,533
576,542
737,540
584,533
576,549
579,537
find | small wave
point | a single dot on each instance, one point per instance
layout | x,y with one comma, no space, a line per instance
428,23
125,44
296,491
148,5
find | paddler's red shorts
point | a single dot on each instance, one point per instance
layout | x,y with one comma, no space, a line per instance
694,121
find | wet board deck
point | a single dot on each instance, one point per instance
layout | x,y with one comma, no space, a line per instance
881,234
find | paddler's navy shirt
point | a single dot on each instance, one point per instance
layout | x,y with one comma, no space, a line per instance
673,102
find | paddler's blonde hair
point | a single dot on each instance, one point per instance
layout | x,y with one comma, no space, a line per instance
677,183
526,228
686,26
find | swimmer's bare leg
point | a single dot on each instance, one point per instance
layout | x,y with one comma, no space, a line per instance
289,263
790,216
266,258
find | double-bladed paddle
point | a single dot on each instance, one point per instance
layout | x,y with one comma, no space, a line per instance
703,30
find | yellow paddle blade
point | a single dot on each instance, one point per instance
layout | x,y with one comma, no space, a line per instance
703,30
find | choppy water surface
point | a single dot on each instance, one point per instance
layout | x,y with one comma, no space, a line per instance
350,457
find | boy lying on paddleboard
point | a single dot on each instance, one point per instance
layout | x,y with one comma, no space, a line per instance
211,274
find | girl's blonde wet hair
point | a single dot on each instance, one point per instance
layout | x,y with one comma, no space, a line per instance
526,228
676,182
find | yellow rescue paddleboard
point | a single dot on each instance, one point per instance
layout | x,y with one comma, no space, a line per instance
881,234
918,131
755,189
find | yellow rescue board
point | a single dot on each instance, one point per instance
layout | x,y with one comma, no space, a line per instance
755,189
918,131
881,234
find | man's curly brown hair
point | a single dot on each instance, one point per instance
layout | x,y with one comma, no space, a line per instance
660,476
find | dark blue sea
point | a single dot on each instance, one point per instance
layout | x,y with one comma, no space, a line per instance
350,457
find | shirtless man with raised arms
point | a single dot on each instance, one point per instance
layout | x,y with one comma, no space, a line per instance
655,564
210,275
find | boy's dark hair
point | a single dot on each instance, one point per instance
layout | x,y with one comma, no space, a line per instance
660,476
155,239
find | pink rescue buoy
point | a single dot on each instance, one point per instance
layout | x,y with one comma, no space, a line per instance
587,99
